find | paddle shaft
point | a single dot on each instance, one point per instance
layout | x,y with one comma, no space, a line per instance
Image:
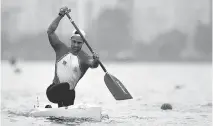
116,88
73,23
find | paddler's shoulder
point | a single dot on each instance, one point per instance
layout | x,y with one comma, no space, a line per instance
83,54
62,53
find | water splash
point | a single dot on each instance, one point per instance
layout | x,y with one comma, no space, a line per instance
13,113
68,121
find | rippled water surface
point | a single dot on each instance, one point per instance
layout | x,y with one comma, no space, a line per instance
187,87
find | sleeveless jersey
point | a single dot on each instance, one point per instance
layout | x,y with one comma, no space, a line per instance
70,68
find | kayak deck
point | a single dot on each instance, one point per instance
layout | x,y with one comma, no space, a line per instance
75,111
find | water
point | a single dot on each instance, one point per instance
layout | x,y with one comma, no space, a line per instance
186,86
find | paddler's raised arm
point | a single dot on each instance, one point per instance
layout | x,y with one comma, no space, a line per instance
53,38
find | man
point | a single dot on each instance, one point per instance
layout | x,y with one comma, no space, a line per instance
70,66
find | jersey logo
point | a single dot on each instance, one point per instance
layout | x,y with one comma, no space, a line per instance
64,62
75,69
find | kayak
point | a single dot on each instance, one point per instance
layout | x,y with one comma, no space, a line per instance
74,111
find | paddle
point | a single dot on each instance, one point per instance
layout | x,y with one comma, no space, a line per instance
116,88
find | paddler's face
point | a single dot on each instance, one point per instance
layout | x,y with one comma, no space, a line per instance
76,43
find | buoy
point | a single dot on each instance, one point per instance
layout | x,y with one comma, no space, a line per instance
48,106
166,106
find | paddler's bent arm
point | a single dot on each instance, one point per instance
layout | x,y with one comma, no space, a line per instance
53,38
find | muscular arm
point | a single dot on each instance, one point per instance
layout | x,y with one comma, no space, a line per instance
88,59
53,38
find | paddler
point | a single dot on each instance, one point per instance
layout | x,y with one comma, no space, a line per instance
70,66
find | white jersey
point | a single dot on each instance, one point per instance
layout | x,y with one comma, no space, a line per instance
68,70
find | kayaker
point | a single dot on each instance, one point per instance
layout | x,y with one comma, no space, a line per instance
71,64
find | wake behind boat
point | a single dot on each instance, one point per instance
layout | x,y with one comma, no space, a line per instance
75,111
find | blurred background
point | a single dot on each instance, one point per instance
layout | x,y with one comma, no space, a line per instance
161,50
119,30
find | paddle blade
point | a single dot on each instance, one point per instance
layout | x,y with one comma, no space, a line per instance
116,88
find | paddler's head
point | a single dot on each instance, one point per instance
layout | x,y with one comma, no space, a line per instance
76,41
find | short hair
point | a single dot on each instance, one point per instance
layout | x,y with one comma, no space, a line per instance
75,32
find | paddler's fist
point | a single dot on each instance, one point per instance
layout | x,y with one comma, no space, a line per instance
95,56
63,11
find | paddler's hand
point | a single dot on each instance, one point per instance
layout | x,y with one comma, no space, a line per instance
63,11
95,61
95,57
